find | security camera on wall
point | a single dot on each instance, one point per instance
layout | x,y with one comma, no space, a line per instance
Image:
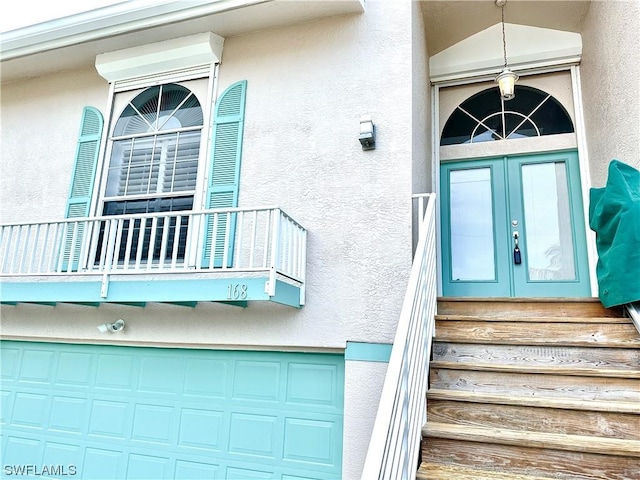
116,326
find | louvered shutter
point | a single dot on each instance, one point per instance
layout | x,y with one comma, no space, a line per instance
224,174
82,180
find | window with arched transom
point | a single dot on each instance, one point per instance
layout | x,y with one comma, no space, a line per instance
485,117
155,151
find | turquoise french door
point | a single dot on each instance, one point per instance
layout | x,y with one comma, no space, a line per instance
514,227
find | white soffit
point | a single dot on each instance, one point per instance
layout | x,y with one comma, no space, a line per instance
526,47
153,58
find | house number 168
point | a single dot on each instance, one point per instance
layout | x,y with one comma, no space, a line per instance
237,291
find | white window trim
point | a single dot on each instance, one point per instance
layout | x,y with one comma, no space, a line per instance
105,154
145,63
206,71
171,61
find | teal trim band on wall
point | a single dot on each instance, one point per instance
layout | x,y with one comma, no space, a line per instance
368,352
236,290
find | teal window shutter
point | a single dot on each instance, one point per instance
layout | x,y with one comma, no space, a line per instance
82,180
224,175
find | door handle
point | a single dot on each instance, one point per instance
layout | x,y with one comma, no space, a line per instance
517,256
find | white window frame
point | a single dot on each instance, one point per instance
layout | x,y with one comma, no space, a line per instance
118,103
137,68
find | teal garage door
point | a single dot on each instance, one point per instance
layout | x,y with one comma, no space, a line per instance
149,413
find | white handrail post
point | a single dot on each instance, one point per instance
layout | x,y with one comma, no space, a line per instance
111,227
303,267
275,250
420,216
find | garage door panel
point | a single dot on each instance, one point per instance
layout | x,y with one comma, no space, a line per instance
20,450
154,423
36,366
161,375
62,454
30,410
303,438
101,463
6,406
9,358
74,369
202,429
69,414
313,385
148,467
133,412
110,418
213,369
254,435
115,372
197,471
236,473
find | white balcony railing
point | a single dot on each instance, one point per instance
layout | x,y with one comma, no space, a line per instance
216,240
395,440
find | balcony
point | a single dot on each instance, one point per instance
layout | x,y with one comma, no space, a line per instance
232,255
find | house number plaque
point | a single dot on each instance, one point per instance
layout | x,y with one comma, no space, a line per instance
237,291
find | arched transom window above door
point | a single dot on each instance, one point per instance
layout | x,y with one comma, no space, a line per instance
485,117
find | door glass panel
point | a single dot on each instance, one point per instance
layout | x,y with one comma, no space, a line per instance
549,236
471,219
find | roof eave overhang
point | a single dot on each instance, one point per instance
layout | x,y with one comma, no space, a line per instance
139,15
105,22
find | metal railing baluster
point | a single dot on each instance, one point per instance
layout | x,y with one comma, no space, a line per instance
240,239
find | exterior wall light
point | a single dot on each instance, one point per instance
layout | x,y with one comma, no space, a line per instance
367,133
507,79
116,326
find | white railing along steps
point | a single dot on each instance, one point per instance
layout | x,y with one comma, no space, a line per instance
395,440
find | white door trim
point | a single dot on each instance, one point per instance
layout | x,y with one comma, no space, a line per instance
580,143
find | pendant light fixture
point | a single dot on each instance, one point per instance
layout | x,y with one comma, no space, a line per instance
507,79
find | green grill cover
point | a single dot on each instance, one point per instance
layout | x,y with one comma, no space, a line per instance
614,214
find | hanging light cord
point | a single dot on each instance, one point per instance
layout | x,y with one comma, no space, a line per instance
504,38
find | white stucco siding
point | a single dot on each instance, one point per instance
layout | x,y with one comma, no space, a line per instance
308,85
609,71
362,385
40,124
421,103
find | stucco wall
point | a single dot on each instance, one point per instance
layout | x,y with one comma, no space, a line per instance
308,85
40,125
611,92
421,105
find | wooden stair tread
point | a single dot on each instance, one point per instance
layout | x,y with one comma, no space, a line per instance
526,417
614,335
519,299
553,370
544,462
435,471
562,403
526,307
524,389
529,356
538,319
553,441
537,385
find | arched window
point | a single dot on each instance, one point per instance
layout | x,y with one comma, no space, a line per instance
485,117
154,152
155,148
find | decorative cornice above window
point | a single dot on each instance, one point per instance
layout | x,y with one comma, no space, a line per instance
146,60
481,54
